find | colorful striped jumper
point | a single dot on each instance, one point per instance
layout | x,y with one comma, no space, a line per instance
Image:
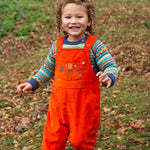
101,60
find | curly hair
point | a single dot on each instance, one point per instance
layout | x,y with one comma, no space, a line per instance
89,4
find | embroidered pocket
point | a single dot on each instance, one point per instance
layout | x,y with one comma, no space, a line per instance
70,71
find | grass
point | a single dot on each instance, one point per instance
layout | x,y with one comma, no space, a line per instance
130,102
23,16
34,59
125,24
124,107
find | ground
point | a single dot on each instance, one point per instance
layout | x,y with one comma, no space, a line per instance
124,27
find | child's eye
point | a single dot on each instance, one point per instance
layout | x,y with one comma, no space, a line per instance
67,17
79,16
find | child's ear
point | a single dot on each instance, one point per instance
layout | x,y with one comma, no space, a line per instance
89,23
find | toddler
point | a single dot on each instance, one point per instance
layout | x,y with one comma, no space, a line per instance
80,61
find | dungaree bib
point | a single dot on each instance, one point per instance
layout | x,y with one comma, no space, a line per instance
74,106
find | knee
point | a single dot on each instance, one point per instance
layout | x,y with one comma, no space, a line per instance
76,141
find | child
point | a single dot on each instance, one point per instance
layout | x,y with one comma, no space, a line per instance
80,62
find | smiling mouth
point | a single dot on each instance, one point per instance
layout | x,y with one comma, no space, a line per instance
74,27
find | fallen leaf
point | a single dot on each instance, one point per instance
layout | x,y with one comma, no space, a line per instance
134,125
106,109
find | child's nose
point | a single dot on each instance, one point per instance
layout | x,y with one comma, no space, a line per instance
73,20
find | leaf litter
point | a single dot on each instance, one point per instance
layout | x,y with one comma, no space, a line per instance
19,114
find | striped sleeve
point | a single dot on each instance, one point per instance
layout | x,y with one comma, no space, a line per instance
105,61
46,71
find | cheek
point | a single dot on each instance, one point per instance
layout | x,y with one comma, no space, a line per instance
64,23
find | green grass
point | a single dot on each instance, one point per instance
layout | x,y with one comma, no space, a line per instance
123,24
132,101
106,3
23,16
34,59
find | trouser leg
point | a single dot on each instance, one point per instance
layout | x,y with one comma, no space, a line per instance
84,119
55,133
80,115
90,136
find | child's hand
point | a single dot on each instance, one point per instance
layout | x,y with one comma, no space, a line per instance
24,87
103,78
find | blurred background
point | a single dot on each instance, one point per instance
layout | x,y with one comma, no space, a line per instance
27,30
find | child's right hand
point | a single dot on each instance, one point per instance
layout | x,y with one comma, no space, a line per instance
24,87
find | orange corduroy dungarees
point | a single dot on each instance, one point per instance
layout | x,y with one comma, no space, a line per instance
74,106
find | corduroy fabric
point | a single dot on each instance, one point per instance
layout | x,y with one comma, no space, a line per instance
74,106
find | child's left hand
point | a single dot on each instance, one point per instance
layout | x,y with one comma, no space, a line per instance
103,78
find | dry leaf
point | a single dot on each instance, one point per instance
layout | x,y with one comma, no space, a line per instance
134,125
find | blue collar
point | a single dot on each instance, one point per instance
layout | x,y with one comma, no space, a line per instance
76,42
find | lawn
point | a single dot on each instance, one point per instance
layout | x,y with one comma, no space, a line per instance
27,30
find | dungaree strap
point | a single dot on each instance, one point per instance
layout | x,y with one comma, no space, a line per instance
60,42
89,42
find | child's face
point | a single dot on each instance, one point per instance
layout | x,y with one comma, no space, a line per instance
74,21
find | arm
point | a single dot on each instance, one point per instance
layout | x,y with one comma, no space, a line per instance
43,75
46,71
107,66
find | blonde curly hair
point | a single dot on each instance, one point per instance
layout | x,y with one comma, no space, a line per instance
89,4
